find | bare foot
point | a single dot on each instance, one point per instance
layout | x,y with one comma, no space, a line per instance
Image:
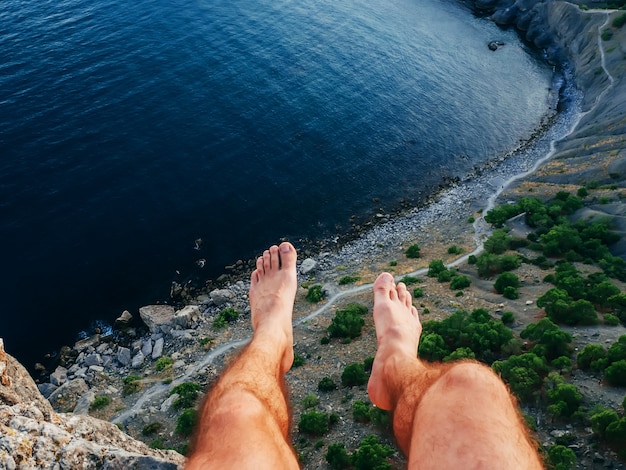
398,330
273,286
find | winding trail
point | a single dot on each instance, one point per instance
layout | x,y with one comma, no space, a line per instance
481,233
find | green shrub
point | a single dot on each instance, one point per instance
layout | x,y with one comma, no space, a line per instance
523,373
564,399
489,264
561,457
347,322
510,293
454,250
186,422
508,318
324,340
228,315
413,251
314,423
315,294
163,363
616,436
393,263
298,361
310,401
472,259
337,457
607,35
435,267
505,280
601,419
615,374
326,385
187,395
460,353
619,21
354,375
611,320
498,242
460,282
131,384
99,402
418,292
152,428
562,364
361,412
445,276
371,454
471,219
590,355
348,280
582,192
409,280
551,341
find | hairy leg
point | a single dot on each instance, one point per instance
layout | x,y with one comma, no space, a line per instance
457,415
245,420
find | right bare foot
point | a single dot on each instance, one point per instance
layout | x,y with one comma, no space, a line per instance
398,331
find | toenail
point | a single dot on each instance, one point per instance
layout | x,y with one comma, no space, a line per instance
284,248
387,277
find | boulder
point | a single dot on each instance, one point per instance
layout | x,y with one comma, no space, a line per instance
84,403
157,316
138,360
93,360
308,265
123,320
186,316
59,376
146,347
87,343
123,356
221,296
157,349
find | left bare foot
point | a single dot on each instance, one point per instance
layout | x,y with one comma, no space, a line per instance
273,286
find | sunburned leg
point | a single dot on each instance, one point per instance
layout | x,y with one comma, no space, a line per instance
457,415
245,420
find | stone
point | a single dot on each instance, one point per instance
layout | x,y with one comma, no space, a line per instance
146,347
96,369
83,403
66,396
138,360
186,316
167,404
308,265
93,360
157,316
59,376
157,349
123,320
221,296
87,343
46,389
123,356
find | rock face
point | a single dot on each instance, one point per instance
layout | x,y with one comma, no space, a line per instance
32,435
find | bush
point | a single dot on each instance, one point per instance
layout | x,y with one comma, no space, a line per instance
619,21
326,385
508,318
460,282
611,320
354,375
337,457
418,292
616,436
435,267
409,280
601,419
561,457
163,363
348,280
498,242
371,454
298,361
489,264
348,322
523,373
314,423
413,251
551,341
505,280
152,428
186,422
315,294
226,316
187,395
564,399
131,384
615,374
361,412
310,401
100,402
589,356
510,293
455,250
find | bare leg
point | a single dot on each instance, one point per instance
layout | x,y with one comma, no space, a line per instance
457,415
245,420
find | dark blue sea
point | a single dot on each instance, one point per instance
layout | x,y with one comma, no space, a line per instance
129,129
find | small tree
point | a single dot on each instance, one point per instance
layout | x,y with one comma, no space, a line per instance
460,282
436,267
354,374
413,251
314,423
337,457
505,280
561,457
371,455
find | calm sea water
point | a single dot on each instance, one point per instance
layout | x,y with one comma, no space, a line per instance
130,129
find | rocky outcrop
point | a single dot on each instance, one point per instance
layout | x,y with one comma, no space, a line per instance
32,435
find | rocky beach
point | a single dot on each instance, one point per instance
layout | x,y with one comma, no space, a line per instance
55,424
